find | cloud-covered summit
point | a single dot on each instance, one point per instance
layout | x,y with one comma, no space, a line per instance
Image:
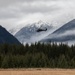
17,12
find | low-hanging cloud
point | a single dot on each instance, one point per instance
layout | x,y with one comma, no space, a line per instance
19,12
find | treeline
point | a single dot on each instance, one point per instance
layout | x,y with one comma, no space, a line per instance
37,56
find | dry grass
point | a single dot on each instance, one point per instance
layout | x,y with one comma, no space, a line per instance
37,71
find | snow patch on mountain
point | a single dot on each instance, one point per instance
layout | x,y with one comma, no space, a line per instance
29,34
17,28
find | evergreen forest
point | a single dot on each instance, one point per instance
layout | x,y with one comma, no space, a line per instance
38,55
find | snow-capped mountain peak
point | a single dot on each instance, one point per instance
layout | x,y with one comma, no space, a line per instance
39,24
34,32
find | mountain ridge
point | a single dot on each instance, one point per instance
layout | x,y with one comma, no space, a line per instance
27,33
6,37
63,34
38,24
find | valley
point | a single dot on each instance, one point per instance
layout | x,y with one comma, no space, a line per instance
37,71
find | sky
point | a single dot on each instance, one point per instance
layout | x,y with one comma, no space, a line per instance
22,12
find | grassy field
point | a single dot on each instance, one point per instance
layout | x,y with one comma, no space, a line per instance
37,71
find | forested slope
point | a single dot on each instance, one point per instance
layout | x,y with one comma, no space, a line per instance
37,56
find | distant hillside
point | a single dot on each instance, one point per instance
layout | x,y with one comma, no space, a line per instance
6,37
65,33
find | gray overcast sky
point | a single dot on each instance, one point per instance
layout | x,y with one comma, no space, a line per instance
22,12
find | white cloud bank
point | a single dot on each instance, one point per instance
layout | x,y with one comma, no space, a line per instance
22,12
